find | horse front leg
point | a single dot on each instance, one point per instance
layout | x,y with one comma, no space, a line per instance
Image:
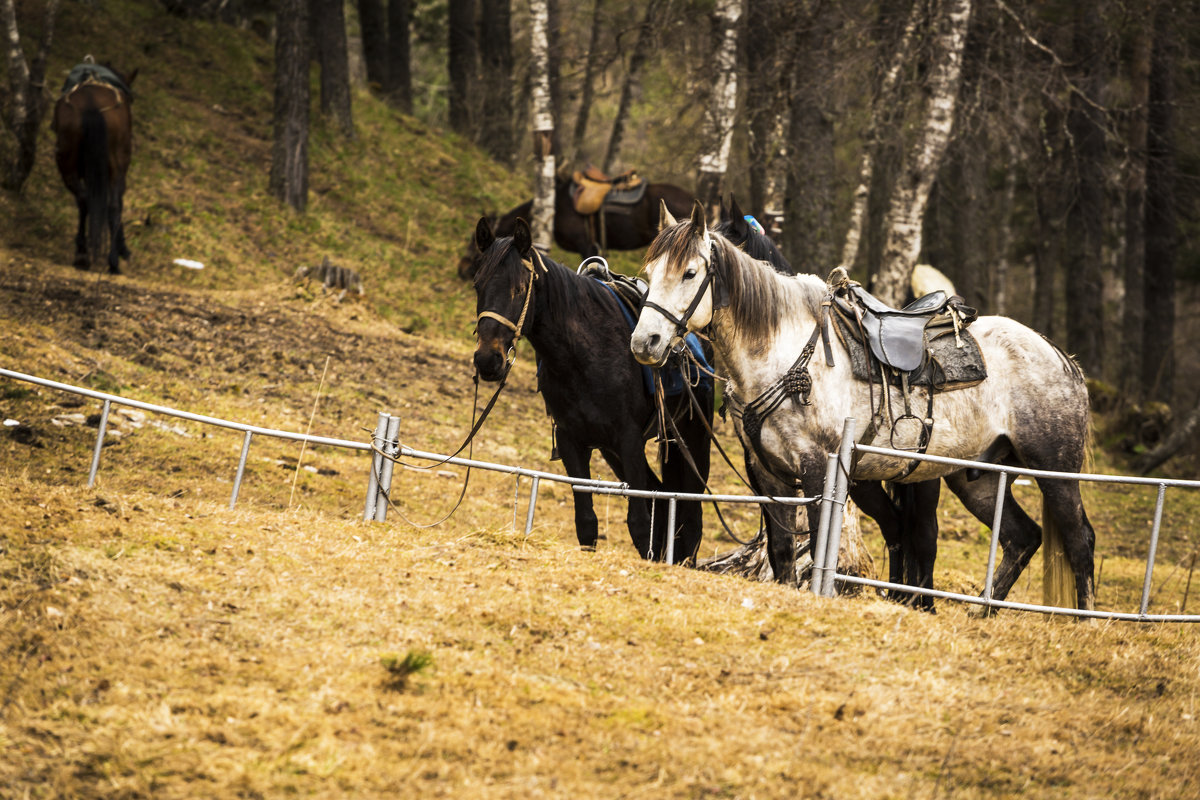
577,462
873,500
643,515
82,259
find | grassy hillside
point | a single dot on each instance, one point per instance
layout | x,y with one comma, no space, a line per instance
155,643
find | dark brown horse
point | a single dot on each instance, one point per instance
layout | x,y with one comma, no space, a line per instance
93,123
626,227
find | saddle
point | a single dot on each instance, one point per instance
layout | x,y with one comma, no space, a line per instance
924,343
591,189
88,72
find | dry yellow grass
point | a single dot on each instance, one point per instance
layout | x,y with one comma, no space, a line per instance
158,647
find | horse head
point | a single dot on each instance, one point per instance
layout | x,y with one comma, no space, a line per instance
680,297
503,293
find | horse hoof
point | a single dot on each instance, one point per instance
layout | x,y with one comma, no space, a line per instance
81,262
588,548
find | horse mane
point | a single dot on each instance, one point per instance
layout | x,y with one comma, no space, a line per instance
759,297
758,246
568,296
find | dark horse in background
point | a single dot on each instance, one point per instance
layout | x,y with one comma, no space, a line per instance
593,388
626,226
905,513
93,125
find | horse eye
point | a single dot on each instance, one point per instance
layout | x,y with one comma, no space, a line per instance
689,273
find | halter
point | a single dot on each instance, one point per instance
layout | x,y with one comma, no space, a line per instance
516,327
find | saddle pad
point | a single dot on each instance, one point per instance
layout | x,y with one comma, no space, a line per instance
626,197
948,366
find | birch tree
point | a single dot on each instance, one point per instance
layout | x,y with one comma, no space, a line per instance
26,103
910,194
718,121
542,224
886,98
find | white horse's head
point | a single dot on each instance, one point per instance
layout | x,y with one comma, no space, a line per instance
680,296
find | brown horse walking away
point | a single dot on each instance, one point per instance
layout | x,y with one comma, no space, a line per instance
93,123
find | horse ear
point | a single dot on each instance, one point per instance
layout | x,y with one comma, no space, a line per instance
735,210
699,220
522,237
737,218
484,236
724,212
665,218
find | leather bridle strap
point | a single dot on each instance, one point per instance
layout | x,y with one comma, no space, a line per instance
680,323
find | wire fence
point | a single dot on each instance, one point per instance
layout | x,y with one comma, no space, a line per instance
385,449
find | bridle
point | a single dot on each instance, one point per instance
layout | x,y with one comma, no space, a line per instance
720,299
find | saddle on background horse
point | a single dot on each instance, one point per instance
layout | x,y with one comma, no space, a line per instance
591,190
90,72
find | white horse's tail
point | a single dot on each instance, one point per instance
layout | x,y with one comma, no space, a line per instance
1058,579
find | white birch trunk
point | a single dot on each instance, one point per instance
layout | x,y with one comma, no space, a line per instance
906,209
542,224
718,127
866,166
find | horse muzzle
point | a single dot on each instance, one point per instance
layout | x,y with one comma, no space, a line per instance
649,348
490,361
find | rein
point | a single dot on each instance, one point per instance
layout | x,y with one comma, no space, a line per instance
477,422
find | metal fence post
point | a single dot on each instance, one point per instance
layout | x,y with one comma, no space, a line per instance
1158,509
391,447
817,582
533,494
99,443
376,463
237,479
997,521
841,489
670,531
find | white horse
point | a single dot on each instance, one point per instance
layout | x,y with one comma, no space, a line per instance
1031,410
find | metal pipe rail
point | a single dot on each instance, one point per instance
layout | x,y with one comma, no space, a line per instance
826,587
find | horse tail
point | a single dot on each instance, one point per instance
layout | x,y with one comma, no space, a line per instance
93,155
1058,579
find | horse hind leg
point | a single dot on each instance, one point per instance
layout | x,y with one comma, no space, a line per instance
116,238
1020,536
1064,504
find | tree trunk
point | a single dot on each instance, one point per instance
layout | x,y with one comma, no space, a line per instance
632,73
587,87
27,103
1133,312
372,21
554,71
1162,231
542,224
760,63
495,52
289,153
399,55
1048,196
809,198
1085,215
329,26
884,103
717,132
462,56
910,194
